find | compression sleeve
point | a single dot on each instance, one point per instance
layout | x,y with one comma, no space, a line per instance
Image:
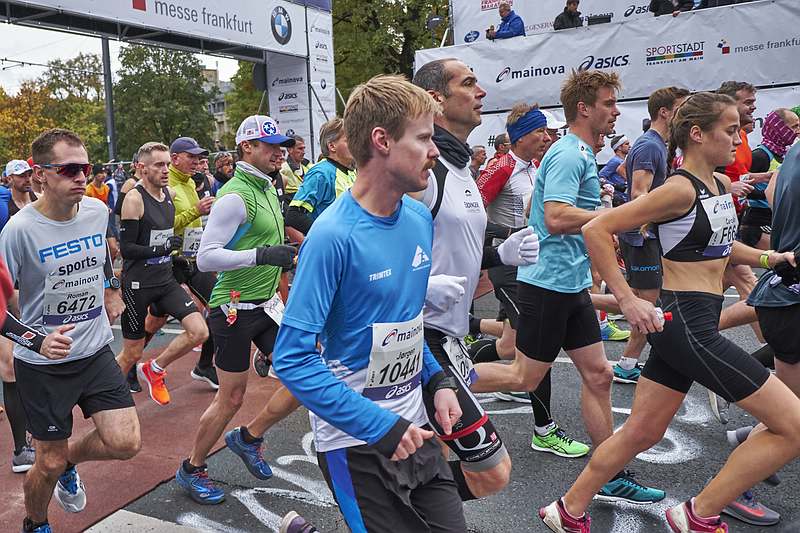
430,366
227,215
490,258
297,218
131,250
22,334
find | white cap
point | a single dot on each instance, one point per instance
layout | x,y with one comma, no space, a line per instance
262,128
16,167
553,123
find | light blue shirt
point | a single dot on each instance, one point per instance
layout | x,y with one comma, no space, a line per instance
567,174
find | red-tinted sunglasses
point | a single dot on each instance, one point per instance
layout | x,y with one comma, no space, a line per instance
70,170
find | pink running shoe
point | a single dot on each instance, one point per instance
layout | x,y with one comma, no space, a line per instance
682,519
558,519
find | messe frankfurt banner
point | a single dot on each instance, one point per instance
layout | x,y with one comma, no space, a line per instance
697,50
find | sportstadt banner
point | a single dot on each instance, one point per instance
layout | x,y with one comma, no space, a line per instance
697,50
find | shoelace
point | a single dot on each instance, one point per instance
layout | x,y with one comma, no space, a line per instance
628,477
203,480
69,480
561,435
749,499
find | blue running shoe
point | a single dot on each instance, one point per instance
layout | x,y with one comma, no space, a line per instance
27,527
69,491
624,488
250,454
627,376
200,488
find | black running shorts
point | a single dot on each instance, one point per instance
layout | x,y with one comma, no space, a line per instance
690,348
233,342
642,264
504,281
49,392
168,299
375,493
550,320
781,329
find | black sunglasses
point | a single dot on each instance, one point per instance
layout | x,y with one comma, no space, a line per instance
70,170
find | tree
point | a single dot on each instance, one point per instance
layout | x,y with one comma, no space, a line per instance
22,118
242,100
159,97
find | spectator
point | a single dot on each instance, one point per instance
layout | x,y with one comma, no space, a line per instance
670,7
97,188
511,24
501,147
570,18
223,170
610,173
478,159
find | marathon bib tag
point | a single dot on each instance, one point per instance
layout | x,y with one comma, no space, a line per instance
158,237
274,308
73,298
721,213
395,363
191,241
459,359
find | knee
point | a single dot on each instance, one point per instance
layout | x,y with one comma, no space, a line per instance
642,436
491,481
599,379
128,447
232,401
199,334
51,464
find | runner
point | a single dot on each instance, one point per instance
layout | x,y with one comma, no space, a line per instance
57,253
148,216
555,308
363,300
696,225
243,241
295,167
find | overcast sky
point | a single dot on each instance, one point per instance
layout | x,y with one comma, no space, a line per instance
23,43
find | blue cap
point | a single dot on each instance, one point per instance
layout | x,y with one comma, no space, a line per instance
188,145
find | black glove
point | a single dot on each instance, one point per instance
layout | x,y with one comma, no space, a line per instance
174,243
278,255
789,275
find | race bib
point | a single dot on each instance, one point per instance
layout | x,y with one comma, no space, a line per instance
191,241
73,298
459,358
158,237
274,308
395,363
724,223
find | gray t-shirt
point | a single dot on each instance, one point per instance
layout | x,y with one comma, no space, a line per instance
59,269
649,153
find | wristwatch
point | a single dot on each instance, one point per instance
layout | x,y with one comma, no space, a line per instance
113,283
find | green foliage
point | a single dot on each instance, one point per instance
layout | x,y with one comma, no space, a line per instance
22,118
242,100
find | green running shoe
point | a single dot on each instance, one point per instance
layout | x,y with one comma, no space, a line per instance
557,442
612,332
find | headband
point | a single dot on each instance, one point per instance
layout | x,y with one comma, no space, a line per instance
622,140
530,121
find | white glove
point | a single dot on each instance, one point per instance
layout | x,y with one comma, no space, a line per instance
444,291
521,248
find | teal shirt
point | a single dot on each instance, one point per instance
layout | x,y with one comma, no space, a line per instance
567,174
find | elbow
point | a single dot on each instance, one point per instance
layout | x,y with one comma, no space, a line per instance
592,231
553,225
203,261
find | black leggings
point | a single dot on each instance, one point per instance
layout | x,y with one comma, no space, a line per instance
691,349
15,413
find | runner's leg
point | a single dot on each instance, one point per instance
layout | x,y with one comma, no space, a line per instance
40,480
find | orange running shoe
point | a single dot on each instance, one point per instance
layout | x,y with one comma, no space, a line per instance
155,382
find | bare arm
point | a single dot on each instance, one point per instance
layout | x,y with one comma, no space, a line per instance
641,183
565,219
770,191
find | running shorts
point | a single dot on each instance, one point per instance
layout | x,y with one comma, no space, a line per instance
642,264
550,320
690,348
232,342
504,281
780,328
756,221
168,299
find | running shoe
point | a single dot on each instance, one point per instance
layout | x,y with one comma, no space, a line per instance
625,488
133,381
682,519
250,454
559,520
471,339
519,397
750,511
23,461
627,376
200,488
209,375
261,363
615,316
155,382
69,492
738,436
294,523
27,527
719,407
557,442
612,332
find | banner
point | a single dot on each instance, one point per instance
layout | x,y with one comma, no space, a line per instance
288,94
272,25
629,123
322,76
697,50
471,18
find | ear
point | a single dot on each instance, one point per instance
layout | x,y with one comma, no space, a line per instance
380,140
696,134
437,96
583,109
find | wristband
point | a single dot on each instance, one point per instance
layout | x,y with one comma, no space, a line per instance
441,381
764,259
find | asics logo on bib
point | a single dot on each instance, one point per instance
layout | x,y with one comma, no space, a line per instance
74,246
399,390
401,336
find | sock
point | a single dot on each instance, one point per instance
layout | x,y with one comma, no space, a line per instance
206,354
540,403
70,466
156,368
16,414
474,325
564,505
247,437
602,318
189,468
765,356
483,351
542,431
712,519
628,363
461,481
30,525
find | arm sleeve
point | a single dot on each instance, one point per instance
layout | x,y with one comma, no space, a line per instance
492,180
227,215
430,366
490,258
297,218
563,181
129,232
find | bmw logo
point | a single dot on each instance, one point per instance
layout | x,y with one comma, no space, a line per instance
471,36
323,83
289,132
281,25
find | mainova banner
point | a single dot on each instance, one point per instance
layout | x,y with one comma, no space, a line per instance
288,93
629,122
697,50
322,76
272,25
471,18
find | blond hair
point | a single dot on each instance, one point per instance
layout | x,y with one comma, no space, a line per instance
582,86
150,147
517,112
386,102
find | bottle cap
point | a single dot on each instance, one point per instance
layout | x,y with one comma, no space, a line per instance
668,315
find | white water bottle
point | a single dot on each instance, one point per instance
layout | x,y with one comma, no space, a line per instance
663,316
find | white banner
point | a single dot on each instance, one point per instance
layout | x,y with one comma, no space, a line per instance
471,18
697,50
629,123
272,25
288,94
321,66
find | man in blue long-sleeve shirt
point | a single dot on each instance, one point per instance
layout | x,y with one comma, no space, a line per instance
511,24
360,286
